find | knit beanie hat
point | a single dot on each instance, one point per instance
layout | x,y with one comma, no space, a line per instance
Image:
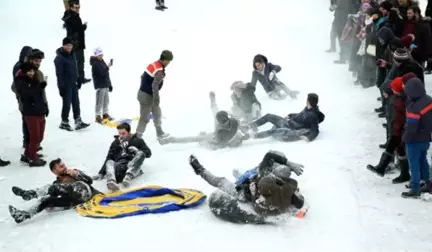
222,117
35,54
386,5
166,55
401,54
67,41
313,99
26,67
397,85
97,52
408,76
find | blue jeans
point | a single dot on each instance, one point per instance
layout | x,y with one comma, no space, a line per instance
419,166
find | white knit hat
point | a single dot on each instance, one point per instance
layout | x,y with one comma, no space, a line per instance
97,52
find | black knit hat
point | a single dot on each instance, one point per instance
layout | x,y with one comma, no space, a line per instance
222,117
166,55
26,67
67,41
386,5
313,99
36,54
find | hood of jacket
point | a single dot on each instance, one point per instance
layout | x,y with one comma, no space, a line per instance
259,58
414,89
318,112
386,35
24,52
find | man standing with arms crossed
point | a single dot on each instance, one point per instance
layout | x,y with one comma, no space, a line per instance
148,94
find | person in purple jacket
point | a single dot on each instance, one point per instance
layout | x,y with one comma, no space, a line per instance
417,134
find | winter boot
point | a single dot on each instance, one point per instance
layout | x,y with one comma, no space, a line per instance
160,133
127,180
107,117
79,124
340,62
37,163
65,126
404,175
4,163
19,215
297,200
162,4
165,140
379,98
24,194
384,125
383,146
379,169
112,186
380,109
198,168
382,115
411,194
330,50
98,119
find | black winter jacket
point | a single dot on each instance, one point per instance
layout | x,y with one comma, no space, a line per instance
30,93
100,73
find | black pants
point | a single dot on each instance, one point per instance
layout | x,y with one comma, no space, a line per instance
70,98
381,76
65,195
395,144
79,55
25,131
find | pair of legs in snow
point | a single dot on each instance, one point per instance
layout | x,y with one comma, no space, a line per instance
419,166
281,91
147,107
70,97
123,172
61,196
160,5
280,130
102,103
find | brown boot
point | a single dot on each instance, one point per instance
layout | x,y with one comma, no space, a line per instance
107,117
98,119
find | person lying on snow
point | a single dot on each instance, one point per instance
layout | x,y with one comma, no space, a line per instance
71,187
227,133
125,157
265,73
395,123
246,106
271,190
303,125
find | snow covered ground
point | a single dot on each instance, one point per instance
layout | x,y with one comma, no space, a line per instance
213,45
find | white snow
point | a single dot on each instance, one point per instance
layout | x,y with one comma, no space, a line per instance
213,44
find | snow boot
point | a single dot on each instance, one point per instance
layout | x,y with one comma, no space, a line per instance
99,119
107,117
127,180
4,163
380,109
380,169
65,126
160,133
384,125
197,167
19,215
340,62
427,188
24,159
297,200
162,4
37,163
79,124
383,146
379,98
404,175
24,194
330,50
382,115
112,186
410,194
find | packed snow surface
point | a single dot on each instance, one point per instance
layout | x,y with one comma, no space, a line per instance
213,43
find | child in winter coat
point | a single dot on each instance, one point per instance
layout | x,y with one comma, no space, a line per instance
417,134
102,84
265,73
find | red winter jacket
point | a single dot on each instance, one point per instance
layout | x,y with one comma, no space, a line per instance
398,120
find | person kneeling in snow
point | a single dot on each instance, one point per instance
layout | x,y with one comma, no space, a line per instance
125,158
265,73
303,125
246,106
72,187
227,133
268,187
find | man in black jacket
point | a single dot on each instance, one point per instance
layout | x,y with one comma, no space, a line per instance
76,31
125,158
71,187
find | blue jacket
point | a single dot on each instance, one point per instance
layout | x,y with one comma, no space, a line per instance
418,127
23,54
306,119
66,69
100,73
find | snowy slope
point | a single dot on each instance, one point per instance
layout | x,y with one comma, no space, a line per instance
213,45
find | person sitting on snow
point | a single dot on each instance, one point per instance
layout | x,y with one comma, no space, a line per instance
265,73
227,133
270,188
72,187
125,157
246,106
303,125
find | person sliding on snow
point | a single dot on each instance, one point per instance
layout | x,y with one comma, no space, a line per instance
396,124
72,187
227,134
265,73
125,158
303,125
270,189
246,106
160,5
152,81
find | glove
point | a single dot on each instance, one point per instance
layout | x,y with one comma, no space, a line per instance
43,84
110,89
296,168
79,84
47,112
133,149
98,177
272,74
